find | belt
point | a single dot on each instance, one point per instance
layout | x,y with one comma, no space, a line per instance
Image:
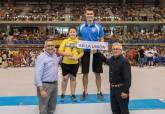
116,85
49,82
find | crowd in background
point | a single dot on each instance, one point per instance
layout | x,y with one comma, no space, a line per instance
72,13
152,56
136,37
18,57
26,57
38,37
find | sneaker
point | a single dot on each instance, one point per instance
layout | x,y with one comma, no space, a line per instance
73,98
100,96
62,97
84,95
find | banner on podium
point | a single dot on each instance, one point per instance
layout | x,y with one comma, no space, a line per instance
93,45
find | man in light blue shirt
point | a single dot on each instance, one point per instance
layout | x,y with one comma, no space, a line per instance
46,76
91,31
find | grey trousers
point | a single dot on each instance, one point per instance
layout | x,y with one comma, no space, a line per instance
48,105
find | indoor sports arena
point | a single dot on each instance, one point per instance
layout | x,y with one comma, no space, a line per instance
82,56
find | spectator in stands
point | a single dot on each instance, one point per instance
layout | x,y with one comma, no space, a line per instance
162,57
149,54
141,56
1,59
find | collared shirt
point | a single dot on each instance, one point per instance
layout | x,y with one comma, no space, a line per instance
68,46
46,68
90,33
119,71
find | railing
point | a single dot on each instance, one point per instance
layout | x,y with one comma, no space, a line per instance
42,45
79,22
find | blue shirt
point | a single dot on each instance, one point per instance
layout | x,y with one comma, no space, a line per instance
46,68
90,33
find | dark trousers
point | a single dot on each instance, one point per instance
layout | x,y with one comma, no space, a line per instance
118,105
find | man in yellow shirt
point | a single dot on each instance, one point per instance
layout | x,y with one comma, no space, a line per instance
70,64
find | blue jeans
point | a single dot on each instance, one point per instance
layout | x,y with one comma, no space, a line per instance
141,61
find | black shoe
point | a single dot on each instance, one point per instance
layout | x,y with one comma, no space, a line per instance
84,95
73,98
62,97
100,96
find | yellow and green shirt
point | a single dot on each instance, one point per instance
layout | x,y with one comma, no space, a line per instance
66,46
1,60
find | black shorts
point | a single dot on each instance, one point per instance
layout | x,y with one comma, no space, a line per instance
96,64
69,69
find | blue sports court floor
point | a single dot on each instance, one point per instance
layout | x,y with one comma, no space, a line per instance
18,94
